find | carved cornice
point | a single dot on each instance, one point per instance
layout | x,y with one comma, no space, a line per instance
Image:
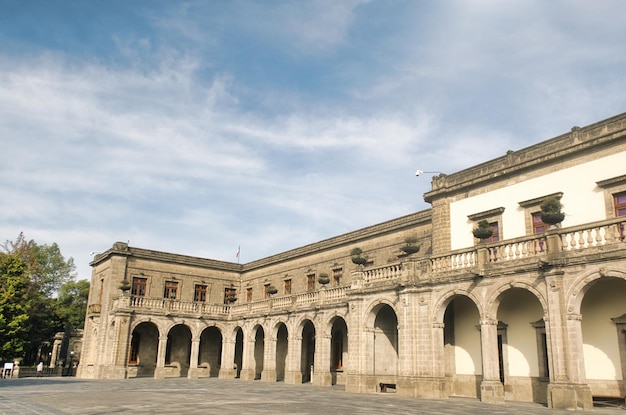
546,153
346,239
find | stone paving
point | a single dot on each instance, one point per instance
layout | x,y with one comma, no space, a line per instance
60,396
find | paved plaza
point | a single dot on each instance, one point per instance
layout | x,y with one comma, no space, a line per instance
56,396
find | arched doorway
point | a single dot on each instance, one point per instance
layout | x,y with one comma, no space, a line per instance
307,358
259,351
338,351
384,345
178,351
210,353
282,346
603,324
462,348
522,347
144,345
238,352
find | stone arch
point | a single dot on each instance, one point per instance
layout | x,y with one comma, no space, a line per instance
339,348
237,337
306,331
577,290
493,302
210,350
456,320
443,300
382,342
143,349
280,332
597,311
374,306
258,334
520,311
178,350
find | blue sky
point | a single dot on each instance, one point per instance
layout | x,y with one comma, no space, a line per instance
198,126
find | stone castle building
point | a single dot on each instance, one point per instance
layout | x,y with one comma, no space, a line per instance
534,312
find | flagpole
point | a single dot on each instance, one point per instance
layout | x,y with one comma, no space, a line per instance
238,252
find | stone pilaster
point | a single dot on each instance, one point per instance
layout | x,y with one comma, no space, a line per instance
228,371
491,389
159,370
248,370
358,353
194,372
430,382
321,370
269,361
293,375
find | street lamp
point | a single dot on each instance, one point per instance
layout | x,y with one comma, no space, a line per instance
71,363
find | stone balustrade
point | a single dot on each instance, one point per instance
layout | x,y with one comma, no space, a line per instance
573,238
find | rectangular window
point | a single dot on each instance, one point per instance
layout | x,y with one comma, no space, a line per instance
200,293
538,225
310,282
139,286
171,287
249,294
287,287
337,276
495,237
266,291
619,201
230,295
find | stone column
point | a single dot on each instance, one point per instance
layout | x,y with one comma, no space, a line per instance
228,371
248,369
407,345
491,389
358,356
293,375
56,349
567,388
159,370
269,361
430,382
119,347
321,369
572,392
194,372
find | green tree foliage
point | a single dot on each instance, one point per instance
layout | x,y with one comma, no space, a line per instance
47,269
14,306
71,304
30,276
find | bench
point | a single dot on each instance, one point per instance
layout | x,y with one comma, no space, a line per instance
385,386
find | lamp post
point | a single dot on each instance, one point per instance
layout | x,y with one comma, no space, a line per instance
71,369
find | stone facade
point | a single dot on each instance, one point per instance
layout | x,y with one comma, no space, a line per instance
536,313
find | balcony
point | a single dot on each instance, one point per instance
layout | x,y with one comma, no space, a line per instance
556,247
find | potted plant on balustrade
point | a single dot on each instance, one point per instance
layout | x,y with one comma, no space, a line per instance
356,257
483,231
551,211
411,246
323,278
271,290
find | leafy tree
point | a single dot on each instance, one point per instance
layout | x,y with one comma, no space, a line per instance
31,275
14,306
46,267
71,305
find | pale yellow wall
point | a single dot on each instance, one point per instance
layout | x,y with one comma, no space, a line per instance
582,199
467,352
519,309
605,300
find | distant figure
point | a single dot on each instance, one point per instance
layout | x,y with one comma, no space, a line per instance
40,369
